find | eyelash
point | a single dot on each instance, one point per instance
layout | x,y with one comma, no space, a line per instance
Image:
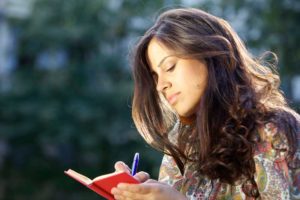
154,75
171,68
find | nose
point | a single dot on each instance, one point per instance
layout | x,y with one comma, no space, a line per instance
163,84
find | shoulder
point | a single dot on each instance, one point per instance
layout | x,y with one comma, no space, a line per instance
273,142
281,131
279,142
276,169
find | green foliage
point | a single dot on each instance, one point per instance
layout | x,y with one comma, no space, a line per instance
71,114
75,112
277,22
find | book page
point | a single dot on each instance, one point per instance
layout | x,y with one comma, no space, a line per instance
106,175
79,177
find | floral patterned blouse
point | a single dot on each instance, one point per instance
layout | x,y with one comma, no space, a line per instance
274,179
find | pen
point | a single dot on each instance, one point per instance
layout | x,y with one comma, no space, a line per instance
135,163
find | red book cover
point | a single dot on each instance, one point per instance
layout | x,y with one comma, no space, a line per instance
102,185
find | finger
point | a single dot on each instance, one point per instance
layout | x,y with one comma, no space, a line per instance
125,194
116,191
142,176
151,181
121,166
128,194
117,194
118,197
140,191
133,188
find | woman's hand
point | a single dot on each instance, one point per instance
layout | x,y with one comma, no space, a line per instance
140,176
149,190
122,167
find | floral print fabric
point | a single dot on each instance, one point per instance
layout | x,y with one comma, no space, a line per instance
275,180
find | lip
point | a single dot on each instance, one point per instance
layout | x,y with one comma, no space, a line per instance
173,98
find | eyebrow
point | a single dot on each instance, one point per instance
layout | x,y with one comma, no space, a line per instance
163,60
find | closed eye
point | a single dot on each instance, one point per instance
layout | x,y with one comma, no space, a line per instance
170,69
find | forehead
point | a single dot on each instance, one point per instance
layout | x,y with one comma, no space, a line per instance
157,52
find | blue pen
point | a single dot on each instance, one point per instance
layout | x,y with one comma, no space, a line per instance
135,163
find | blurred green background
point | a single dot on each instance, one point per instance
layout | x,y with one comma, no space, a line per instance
66,86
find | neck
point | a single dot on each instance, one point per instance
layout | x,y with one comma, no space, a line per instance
187,120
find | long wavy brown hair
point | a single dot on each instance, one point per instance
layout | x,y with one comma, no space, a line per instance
242,94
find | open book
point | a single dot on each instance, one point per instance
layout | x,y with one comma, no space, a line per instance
103,184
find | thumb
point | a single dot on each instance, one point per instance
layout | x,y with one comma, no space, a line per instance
142,176
122,167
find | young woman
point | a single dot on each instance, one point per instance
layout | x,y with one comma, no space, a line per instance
216,113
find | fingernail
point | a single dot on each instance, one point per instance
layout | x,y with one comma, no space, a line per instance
121,186
114,191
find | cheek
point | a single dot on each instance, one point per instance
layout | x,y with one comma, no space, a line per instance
191,99
196,94
200,81
197,84
196,91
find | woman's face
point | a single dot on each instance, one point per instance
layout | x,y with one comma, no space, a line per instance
181,81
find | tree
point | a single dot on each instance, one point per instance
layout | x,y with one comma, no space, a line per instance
69,104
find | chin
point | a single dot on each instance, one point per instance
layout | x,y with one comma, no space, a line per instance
186,112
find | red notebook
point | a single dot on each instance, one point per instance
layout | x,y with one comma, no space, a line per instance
103,184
